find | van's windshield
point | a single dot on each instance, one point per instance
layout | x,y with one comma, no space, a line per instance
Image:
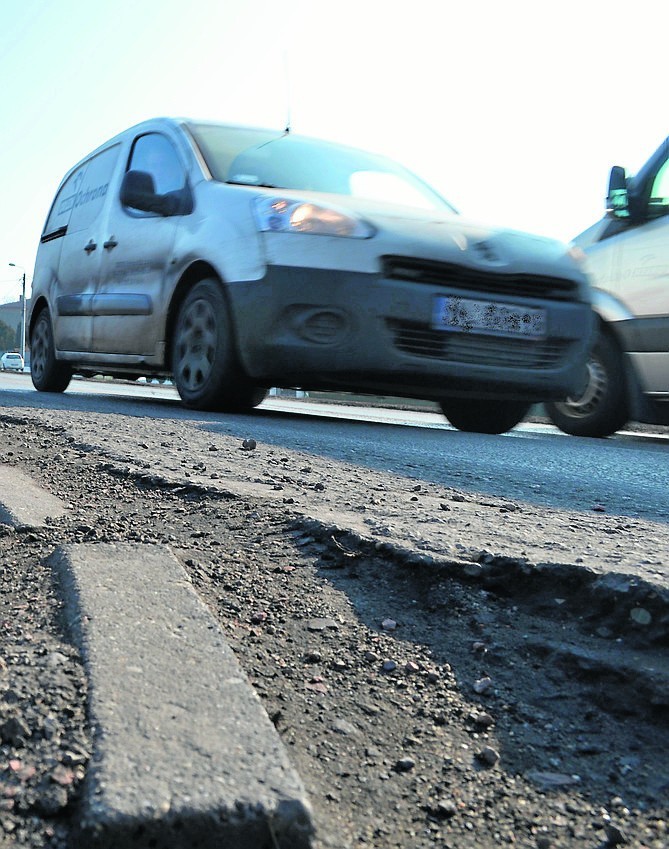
281,160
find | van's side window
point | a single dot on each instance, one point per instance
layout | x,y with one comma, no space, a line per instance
154,154
82,195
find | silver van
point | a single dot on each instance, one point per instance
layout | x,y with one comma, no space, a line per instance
627,376
232,259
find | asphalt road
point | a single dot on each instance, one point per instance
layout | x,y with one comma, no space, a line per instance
625,475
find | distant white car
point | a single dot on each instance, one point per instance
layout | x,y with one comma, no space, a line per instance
11,362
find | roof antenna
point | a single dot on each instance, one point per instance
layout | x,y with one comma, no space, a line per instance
286,76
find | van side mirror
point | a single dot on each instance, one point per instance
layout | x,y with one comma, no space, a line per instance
617,201
138,191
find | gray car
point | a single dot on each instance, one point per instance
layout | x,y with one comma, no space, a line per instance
627,375
232,259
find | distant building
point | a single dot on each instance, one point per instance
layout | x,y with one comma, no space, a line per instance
10,314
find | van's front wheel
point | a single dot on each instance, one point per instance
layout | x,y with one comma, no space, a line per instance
47,374
204,362
484,416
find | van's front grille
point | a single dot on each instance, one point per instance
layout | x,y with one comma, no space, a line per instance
476,349
477,280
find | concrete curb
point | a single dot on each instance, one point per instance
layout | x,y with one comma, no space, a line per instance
184,755
28,505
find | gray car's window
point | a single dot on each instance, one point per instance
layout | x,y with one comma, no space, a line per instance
155,154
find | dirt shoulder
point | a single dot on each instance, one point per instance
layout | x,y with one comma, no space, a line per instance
444,670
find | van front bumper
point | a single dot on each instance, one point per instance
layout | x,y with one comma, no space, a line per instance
323,329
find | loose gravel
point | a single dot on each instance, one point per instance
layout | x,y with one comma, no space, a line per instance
425,699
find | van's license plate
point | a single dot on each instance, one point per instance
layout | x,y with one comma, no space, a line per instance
465,315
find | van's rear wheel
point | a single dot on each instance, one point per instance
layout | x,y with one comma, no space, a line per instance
48,375
204,362
599,408
484,416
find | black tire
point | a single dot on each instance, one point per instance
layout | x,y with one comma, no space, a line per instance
204,363
48,375
600,408
484,416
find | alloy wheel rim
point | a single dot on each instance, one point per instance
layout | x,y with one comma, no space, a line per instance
39,349
584,404
196,346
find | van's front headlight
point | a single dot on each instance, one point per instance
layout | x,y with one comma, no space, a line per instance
284,215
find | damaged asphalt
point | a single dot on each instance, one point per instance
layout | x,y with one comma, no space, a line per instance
423,677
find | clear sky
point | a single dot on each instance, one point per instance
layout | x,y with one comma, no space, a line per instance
513,109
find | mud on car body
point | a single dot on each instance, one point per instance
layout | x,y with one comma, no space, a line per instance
233,259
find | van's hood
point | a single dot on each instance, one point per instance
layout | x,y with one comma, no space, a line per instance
448,237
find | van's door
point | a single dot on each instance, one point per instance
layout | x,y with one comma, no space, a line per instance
136,252
642,285
79,209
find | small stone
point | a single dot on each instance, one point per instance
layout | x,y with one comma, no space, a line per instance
483,720
411,666
322,624
614,835
317,685
62,775
389,624
550,780
14,731
371,657
258,617
488,756
389,666
341,726
249,445
52,802
445,809
482,685
405,765
543,841
641,616
312,657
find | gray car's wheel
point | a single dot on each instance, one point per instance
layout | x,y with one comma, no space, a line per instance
206,372
48,375
484,416
599,408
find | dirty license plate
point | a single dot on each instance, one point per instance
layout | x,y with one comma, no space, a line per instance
466,315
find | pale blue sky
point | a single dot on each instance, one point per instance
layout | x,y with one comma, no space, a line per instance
514,110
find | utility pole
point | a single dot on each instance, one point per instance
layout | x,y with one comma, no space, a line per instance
22,343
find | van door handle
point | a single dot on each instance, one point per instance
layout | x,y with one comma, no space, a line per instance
91,246
110,243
